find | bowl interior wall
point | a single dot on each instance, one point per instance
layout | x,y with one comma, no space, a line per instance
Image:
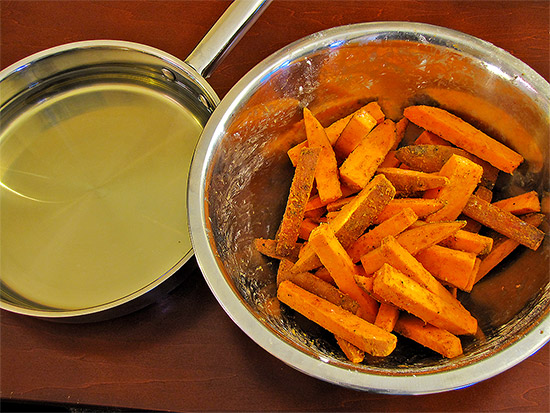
249,179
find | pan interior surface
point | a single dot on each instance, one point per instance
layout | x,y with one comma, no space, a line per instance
93,185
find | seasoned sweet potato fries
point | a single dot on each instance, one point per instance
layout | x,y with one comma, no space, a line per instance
378,236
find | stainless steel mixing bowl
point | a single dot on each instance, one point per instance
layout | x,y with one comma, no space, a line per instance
241,174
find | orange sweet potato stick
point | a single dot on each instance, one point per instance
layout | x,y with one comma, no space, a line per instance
419,238
431,158
413,240
341,268
338,204
464,176
434,338
429,138
410,181
465,240
326,290
387,317
473,276
465,136
356,216
390,161
400,130
451,266
353,353
502,247
503,222
316,203
317,286
359,126
373,238
469,242
324,275
402,260
353,219
268,247
326,173
405,293
335,129
307,226
525,203
471,224
359,332
300,189
375,111
421,207
361,164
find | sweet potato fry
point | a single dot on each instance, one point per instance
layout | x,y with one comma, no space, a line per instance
324,275
413,240
338,204
335,129
357,128
419,238
464,176
373,238
469,242
361,164
471,224
410,181
331,110
451,266
473,275
402,260
366,283
326,173
387,317
317,286
400,130
356,216
437,339
525,203
421,207
465,136
408,295
300,190
429,138
431,158
353,353
353,219
268,247
315,202
307,226
503,222
375,111
341,268
502,247
390,161
359,332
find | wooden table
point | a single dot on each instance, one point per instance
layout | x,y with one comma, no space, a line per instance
184,353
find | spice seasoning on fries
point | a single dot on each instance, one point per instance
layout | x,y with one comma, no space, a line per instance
378,236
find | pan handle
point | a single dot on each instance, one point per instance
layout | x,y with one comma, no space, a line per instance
225,33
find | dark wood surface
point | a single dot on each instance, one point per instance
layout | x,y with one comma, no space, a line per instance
184,353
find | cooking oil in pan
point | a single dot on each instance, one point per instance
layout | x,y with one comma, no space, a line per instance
93,194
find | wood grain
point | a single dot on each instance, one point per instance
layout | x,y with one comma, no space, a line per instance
184,353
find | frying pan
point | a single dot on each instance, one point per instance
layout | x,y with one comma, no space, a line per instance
96,141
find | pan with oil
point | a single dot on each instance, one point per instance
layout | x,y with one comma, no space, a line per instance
96,142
